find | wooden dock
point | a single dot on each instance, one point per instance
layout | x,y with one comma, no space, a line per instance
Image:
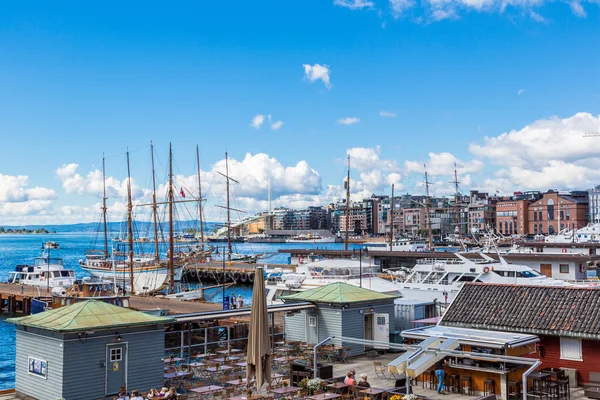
16,300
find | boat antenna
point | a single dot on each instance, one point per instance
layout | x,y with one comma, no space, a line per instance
457,201
104,207
200,199
427,211
392,219
228,209
129,224
154,206
347,205
171,245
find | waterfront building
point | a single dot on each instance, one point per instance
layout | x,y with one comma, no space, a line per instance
512,213
341,310
556,211
481,212
88,350
594,205
564,319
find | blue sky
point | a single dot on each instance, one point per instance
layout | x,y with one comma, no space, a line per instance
79,80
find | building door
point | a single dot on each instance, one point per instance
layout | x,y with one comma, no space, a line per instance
381,330
312,329
546,269
368,328
116,368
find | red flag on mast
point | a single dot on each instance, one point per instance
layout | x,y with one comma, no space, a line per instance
182,193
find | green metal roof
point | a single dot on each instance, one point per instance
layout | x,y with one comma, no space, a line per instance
87,315
338,293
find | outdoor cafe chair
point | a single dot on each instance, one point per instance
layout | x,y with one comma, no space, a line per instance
380,370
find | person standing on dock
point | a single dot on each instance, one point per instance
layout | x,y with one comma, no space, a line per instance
233,302
240,301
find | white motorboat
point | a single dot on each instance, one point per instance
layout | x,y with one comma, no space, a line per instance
310,238
399,245
45,272
587,234
324,272
441,279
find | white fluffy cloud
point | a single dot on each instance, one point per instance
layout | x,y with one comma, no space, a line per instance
348,121
18,200
388,114
437,10
368,158
549,153
317,72
443,164
74,183
257,121
354,4
275,125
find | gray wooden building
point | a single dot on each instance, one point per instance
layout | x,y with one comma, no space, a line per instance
88,350
341,310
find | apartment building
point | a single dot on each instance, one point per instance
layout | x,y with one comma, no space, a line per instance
556,211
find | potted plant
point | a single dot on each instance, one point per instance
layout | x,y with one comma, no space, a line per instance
217,365
285,384
313,385
239,378
249,392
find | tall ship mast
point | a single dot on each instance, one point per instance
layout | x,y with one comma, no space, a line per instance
129,223
200,199
347,206
154,207
104,208
171,244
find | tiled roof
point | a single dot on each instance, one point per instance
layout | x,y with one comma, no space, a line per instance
545,310
339,293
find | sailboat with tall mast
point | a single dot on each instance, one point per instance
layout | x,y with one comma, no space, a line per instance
140,274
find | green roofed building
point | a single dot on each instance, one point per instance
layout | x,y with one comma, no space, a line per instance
89,350
341,310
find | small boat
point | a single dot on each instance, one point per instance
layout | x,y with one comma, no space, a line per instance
51,245
399,245
203,293
89,289
310,238
46,272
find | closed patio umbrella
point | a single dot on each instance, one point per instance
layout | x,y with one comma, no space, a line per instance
259,344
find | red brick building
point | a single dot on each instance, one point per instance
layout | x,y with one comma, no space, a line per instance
512,217
565,318
554,209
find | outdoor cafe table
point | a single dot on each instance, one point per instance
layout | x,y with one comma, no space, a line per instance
221,368
324,396
222,359
237,382
540,382
206,389
285,359
285,390
337,386
246,397
194,364
242,364
170,360
373,392
175,375
229,351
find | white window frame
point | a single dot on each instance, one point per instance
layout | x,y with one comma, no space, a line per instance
312,321
577,345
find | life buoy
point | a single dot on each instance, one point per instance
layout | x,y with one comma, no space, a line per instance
486,270
564,250
300,260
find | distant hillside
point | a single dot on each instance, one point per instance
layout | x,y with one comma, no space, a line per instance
114,227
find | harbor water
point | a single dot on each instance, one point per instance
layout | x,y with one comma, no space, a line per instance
22,249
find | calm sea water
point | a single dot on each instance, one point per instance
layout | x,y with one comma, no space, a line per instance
22,249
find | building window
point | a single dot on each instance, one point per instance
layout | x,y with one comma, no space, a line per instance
550,210
564,268
115,354
535,229
570,349
540,215
312,321
535,216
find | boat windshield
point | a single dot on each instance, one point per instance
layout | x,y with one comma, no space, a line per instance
40,261
528,274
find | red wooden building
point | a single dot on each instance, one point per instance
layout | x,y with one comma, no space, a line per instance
566,319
